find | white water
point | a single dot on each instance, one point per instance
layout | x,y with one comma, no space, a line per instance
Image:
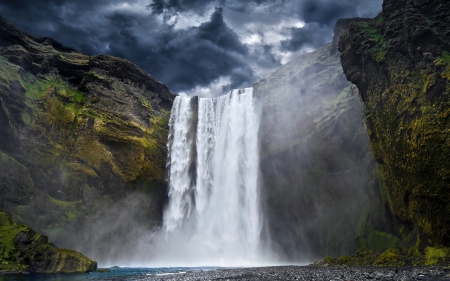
213,216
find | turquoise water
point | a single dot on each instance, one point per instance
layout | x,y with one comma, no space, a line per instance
114,274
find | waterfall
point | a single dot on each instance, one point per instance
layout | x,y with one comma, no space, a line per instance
213,215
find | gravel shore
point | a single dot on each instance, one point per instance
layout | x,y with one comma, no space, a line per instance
314,273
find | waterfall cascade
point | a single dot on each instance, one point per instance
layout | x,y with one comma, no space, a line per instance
213,215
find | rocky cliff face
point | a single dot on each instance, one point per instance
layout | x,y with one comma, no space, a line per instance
23,250
400,62
79,136
317,168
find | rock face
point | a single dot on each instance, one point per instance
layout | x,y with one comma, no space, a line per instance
317,168
400,62
22,249
78,134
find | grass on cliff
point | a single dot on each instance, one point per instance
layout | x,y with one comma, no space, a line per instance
41,86
8,231
8,72
446,58
373,31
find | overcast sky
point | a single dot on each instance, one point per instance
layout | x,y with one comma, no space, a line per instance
199,47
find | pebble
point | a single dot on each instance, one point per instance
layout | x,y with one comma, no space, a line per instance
313,273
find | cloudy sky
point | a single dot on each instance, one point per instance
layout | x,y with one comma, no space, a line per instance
199,47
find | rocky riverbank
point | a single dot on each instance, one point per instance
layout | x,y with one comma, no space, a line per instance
317,273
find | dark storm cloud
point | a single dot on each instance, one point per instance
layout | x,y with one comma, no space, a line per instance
188,58
312,35
183,58
325,12
171,6
164,6
320,17
198,51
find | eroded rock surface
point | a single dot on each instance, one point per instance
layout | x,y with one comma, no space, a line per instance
78,135
400,62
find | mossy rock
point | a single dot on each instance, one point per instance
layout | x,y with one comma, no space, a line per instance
362,258
24,250
391,258
49,259
77,133
435,256
406,95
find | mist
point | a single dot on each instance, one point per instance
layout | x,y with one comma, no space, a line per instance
316,164
311,176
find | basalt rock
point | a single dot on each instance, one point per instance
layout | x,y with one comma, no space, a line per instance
77,134
400,62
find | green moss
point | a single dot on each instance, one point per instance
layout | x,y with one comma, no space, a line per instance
390,257
445,58
95,74
363,258
381,241
409,136
345,259
52,232
8,71
69,208
327,260
8,253
49,259
145,102
343,96
38,255
161,121
433,255
42,86
379,19
373,31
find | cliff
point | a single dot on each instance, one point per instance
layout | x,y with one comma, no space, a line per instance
318,173
80,136
400,62
23,250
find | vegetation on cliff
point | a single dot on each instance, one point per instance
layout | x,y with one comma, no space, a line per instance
23,250
78,133
400,63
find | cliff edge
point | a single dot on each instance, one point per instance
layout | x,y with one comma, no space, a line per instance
79,134
400,62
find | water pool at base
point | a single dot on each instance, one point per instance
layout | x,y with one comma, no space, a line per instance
114,274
